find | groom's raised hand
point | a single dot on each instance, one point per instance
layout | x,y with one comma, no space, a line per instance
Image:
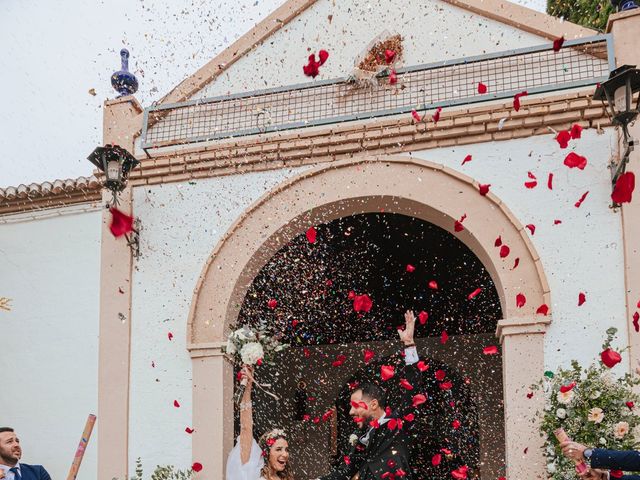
406,335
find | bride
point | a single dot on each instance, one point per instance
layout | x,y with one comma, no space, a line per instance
267,459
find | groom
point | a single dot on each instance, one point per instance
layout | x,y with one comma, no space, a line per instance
382,452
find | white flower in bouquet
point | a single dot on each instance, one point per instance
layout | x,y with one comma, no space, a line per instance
251,352
596,395
565,397
551,468
231,347
561,413
244,334
596,415
620,429
602,441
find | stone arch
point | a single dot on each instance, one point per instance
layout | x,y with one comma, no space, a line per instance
394,184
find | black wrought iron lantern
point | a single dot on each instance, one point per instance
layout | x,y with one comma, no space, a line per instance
618,93
116,163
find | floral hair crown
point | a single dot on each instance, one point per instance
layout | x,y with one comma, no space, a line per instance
268,439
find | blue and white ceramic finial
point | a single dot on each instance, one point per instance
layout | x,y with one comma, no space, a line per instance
123,81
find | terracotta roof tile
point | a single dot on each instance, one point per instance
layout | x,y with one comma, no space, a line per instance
44,189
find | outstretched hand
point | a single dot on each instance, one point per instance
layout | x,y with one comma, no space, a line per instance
406,335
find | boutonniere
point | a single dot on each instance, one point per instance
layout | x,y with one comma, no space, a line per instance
353,439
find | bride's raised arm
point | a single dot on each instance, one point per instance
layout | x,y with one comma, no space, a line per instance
246,418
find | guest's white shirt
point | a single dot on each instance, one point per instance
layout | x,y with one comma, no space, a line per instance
8,474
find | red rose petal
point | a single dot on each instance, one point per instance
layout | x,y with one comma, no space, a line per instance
444,337
433,285
531,227
368,355
170,336
409,417
474,294
436,116
389,55
457,226
176,404
557,222
311,235
490,350
323,55
579,202
347,460
121,223
422,366
531,185
616,473
387,372
440,375
393,77
455,424
550,182
422,317
196,467
557,44
573,160
416,116
351,295
446,385
460,473
563,138
482,88
530,395
436,459
311,68
504,251
630,405
623,190
404,383
466,159
521,300
272,303
362,303
516,100
189,430
411,268
339,361
543,309
419,399
581,299
516,263
498,242
636,319
567,388
484,188
576,131
610,357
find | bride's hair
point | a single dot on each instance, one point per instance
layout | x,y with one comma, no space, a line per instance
266,443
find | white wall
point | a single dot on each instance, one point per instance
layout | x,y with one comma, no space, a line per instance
582,254
433,31
50,268
182,223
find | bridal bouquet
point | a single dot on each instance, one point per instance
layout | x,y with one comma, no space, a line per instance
592,406
250,347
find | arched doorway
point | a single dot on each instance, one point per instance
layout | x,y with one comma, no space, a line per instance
312,284
400,185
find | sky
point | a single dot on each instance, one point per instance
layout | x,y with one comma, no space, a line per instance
54,53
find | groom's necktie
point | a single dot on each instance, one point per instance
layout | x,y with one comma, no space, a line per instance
16,473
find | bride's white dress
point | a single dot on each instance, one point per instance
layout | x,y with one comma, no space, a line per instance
250,470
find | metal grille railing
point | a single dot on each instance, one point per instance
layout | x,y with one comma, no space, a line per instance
534,69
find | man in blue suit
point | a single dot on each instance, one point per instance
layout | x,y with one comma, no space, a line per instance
600,458
10,454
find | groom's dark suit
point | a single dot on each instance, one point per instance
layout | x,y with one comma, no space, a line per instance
33,472
382,449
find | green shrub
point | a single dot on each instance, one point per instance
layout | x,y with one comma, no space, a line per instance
588,13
